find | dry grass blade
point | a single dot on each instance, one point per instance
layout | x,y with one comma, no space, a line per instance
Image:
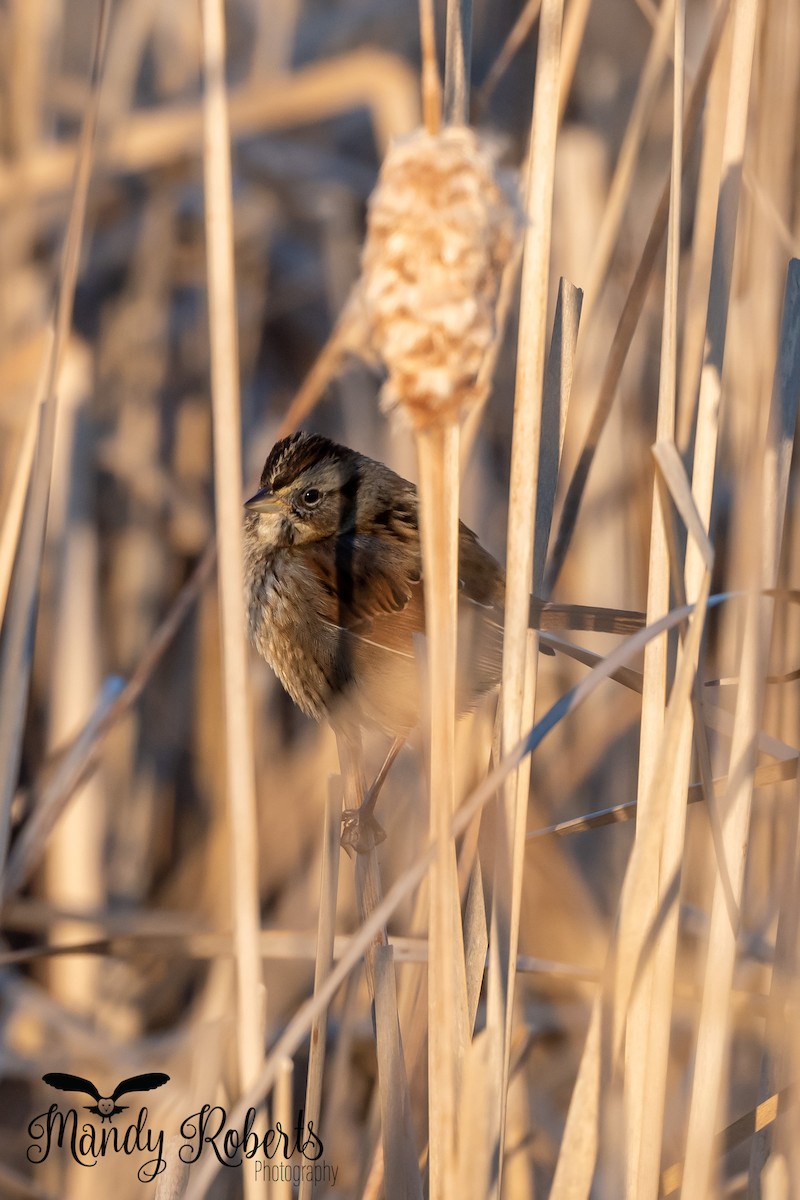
769,497
775,1068
555,405
621,183
475,1162
283,1115
699,272
630,315
776,1065
519,649
15,507
765,776
576,1161
15,665
396,1137
172,1184
401,1173
438,452
326,929
243,829
457,62
431,83
647,1045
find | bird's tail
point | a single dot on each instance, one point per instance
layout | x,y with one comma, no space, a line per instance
551,617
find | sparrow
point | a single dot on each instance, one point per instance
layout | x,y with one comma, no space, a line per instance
334,590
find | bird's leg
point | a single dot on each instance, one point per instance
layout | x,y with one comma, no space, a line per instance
359,824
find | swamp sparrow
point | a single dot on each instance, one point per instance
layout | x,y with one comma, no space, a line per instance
334,592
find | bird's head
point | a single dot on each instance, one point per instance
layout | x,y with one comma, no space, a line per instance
312,488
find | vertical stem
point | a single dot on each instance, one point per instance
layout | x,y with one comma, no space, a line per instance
397,1136
555,403
710,1066
457,55
519,656
243,830
326,931
649,1016
431,83
284,1116
438,451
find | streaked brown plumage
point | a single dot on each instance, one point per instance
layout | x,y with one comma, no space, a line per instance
334,589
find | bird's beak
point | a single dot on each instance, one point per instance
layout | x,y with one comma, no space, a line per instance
264,501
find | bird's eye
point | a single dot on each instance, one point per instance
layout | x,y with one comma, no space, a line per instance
312,497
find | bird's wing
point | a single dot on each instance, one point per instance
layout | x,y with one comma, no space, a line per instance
71,1083
362,576
140,1083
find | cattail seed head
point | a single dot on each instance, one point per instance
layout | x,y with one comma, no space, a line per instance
442,230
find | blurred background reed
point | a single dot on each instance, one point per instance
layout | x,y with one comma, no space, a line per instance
132,861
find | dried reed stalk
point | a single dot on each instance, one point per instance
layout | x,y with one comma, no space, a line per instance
631,312
323,959
705,223
519,651
431,83
243,826
776,1063
438,456
401,1172
780,90
16,660
765,776
283,1114
578,1152
171,1185
707,435
555,406
619,192
15,506
768,497
76,671
647,1046
457,62
398,1146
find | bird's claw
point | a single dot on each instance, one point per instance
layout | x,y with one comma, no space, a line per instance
360,831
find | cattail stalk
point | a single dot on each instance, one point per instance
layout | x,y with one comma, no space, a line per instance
520,650
243,828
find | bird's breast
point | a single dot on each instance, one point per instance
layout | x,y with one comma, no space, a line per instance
285,629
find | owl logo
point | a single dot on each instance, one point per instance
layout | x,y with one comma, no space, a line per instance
106,1106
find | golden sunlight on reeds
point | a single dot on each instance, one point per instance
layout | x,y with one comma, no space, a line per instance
543,259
